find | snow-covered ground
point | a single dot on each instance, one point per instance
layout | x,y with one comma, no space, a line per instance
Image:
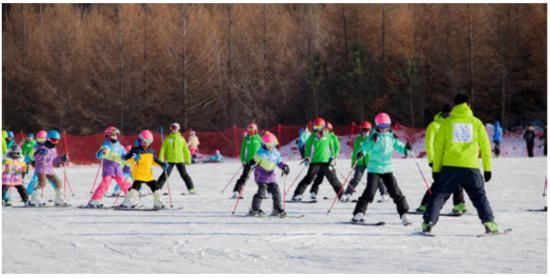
204,237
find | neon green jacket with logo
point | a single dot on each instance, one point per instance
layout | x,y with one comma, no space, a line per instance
460,140
431,130
319,148
250,146
356,148
174,149
335,144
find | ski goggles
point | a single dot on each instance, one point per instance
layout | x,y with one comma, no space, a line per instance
365,130
317,127
383,126
54,141
146,141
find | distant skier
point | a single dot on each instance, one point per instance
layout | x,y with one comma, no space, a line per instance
303,134
13,167
216,158
431,131
4,142
361,165
193,144
143,158
458,143
497,137
320,150
335,152
126,171
111,153
379,148
41,137
10,139
249,147
176,153
267,159
46,158
529,137
27,149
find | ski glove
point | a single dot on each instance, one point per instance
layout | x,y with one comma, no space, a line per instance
42,152
65,158
136,156
487,176
430,164
306,161
286,169
408,148
359,155
251,162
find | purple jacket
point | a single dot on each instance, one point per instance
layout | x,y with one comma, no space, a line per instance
44,163
267,163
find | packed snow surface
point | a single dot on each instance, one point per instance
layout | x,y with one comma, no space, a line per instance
204,237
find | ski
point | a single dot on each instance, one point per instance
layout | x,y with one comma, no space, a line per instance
88,207
450,214
495,234
537,210
265,216
426,234
43,205
379,223
303,202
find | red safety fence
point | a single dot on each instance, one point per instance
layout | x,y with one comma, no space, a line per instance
82,148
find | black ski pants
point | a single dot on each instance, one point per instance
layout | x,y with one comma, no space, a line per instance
393,190
315,169
183,173
272,188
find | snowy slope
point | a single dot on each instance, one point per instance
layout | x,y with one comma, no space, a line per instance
204,237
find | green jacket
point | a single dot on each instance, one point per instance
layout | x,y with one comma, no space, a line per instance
319,149
380,150
174,149
335,145
460,140
356,148
28,148
4,142
250,146
431,130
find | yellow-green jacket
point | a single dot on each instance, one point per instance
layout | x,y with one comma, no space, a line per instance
431,130
460,140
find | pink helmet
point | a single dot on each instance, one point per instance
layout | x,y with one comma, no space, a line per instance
110,131
146,136
269,139
382,120
41,136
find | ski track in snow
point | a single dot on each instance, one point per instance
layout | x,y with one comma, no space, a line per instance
204,237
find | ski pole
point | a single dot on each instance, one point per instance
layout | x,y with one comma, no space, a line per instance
545,186
96,175
231,180
342,187
168,187
421,173
241,192
295,179
284,190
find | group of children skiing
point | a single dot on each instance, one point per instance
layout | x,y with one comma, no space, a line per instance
453,141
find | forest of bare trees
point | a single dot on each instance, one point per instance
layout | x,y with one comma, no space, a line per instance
82,67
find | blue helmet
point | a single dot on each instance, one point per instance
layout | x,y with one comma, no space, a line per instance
10,134
54,134
30,136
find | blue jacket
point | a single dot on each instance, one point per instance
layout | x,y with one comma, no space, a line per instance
497,136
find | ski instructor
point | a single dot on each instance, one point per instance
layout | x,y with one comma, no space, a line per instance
457,145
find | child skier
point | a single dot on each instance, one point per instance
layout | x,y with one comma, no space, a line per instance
303,134
335,152
27,150
193,144
175,152
379,148
126,171
249,147
41,137
111,153
319,148
46,159
10,140
143,158
12,174
267,159
361,165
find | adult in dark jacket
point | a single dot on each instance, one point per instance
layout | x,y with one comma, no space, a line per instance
529,137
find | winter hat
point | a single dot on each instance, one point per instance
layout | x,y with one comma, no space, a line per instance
461,98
